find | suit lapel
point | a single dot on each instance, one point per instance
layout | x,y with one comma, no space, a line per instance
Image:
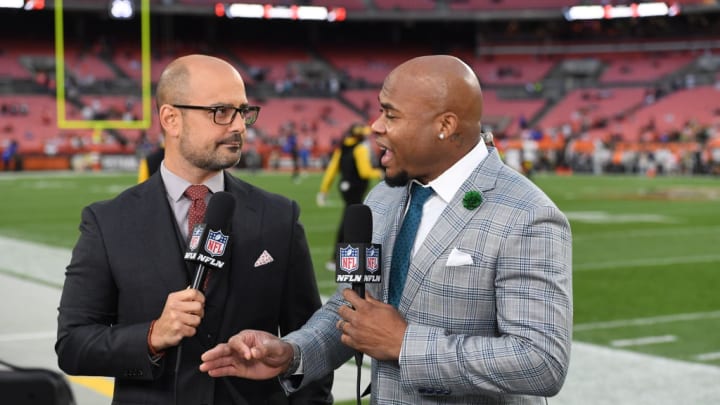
449,225
164,246
246,225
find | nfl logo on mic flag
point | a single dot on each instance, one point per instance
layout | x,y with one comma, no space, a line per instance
197,234
372,259
349,259
216,243
358,263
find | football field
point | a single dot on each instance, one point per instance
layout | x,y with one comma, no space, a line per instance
646,251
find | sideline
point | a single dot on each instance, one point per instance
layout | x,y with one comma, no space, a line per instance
598,375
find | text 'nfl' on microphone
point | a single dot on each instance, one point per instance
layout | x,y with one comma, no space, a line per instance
208,244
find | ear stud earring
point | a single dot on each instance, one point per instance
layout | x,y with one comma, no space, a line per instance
441,135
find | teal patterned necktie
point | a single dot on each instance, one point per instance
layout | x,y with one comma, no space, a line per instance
404,242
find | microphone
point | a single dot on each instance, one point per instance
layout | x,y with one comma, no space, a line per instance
209,240
357,260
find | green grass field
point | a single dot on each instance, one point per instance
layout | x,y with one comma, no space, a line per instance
646,253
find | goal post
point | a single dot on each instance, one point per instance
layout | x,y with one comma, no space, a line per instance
146,88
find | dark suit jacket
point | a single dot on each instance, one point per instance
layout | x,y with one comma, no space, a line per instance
129,257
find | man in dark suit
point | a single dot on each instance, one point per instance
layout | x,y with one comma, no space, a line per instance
126,306
475,306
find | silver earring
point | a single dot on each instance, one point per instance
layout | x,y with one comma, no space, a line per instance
441,135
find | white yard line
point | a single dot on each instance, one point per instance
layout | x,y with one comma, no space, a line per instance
708,356
26,336
647,262
598,375
695,316
643,341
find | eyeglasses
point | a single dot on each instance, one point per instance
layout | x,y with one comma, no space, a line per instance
225,114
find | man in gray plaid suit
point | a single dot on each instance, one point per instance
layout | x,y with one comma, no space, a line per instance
485,316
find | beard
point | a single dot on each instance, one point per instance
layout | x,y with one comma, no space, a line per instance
211,160
399,180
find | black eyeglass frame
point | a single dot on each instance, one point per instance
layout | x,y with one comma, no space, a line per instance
243,110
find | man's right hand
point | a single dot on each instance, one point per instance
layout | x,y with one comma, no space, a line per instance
252,354
180,318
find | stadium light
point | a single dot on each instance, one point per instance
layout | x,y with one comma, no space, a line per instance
12,3
634,10
121,9
267,11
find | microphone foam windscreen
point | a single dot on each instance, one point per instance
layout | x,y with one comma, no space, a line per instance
219,210
357,224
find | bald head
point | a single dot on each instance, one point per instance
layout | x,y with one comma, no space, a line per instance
184,75
444,83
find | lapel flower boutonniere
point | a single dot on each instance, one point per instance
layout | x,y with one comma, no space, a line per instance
472,200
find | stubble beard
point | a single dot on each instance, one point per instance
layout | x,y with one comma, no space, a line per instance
399,180
212,160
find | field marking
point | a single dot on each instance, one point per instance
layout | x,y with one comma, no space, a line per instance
655,320
19,337
647,262
708,356
642,341
604,217
598,375
650,233
102,385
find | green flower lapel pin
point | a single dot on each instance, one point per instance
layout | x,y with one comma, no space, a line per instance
472,200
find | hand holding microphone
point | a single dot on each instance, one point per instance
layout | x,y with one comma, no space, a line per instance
208,246
367,324
180,318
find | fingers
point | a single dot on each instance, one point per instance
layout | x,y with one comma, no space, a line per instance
352,298
182,314
215,353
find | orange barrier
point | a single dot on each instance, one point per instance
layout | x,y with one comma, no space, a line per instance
41,162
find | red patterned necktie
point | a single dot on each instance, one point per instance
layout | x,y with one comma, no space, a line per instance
196,194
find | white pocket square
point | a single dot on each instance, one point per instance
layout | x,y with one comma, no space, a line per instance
264,259
458,258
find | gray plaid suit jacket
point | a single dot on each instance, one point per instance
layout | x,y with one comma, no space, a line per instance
496,331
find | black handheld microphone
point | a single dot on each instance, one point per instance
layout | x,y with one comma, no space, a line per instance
357,260
209,242
209,245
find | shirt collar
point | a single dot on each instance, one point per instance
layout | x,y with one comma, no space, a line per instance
176,185
447,184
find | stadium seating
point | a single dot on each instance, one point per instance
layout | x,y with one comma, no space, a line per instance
405,4
592,106
629,89
642,67
508,4
324,120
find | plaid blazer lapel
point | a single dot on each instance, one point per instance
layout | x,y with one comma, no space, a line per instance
452,221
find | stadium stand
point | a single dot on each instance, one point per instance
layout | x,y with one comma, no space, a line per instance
547,83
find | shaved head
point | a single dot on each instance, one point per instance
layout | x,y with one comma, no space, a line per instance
431,117
180,78
448,84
